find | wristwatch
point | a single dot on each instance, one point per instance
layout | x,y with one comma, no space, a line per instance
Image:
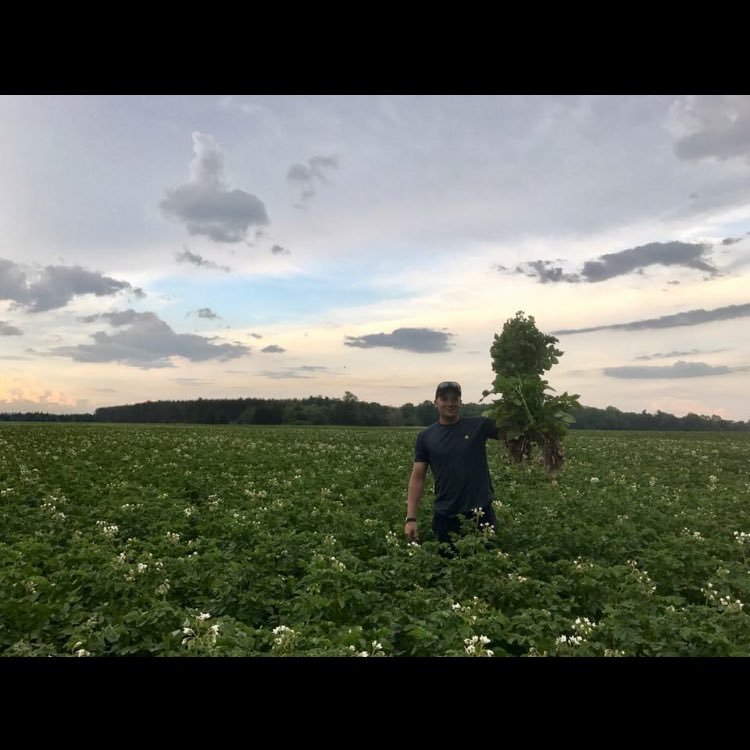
410,518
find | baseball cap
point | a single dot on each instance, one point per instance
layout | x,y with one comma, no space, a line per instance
448,385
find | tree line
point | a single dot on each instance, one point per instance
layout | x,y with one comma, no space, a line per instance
349,410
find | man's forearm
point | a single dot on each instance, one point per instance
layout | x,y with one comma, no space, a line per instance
416,488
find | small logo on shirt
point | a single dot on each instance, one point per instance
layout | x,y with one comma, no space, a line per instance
466,437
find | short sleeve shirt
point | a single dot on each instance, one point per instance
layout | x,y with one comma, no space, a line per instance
457,455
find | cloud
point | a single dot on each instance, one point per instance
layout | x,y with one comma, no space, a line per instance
685,254
677,370
739,261
545,272
204,312
731,240
421,340
273,349
689,318
23,405
146,341
610,265
256,335
669,355
116,319
52,287
187,257
23,397
278,250
13,284
6,329
719,125
206,205
293,372
303,176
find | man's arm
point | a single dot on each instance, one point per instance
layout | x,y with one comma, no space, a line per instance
493,431
416,488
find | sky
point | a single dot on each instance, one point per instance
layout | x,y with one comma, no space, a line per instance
226,246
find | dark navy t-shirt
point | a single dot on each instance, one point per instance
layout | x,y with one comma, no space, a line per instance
457,455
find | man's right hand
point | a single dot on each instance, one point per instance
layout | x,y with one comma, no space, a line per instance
411,531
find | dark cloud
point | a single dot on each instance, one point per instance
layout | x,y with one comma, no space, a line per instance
634,259
6,329
52,287
669,355
278,250
146,341
187,257
677,370
293,372
125,317
689,318
13,282
222,216
117,318
204,312
303,176
685,254
273,349
720,128
545,272
421,340
206,205
731,240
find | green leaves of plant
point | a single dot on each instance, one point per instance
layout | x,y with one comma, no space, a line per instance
520,354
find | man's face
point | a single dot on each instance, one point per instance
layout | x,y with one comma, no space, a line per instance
448,405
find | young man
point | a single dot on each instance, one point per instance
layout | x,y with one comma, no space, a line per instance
454,448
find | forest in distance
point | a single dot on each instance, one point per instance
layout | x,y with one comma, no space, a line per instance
350,410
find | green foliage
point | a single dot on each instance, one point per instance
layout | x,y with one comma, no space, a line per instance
525,413
522,349
288,541
611,418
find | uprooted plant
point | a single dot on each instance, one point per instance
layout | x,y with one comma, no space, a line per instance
525,413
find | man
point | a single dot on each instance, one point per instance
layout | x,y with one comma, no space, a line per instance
454,448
